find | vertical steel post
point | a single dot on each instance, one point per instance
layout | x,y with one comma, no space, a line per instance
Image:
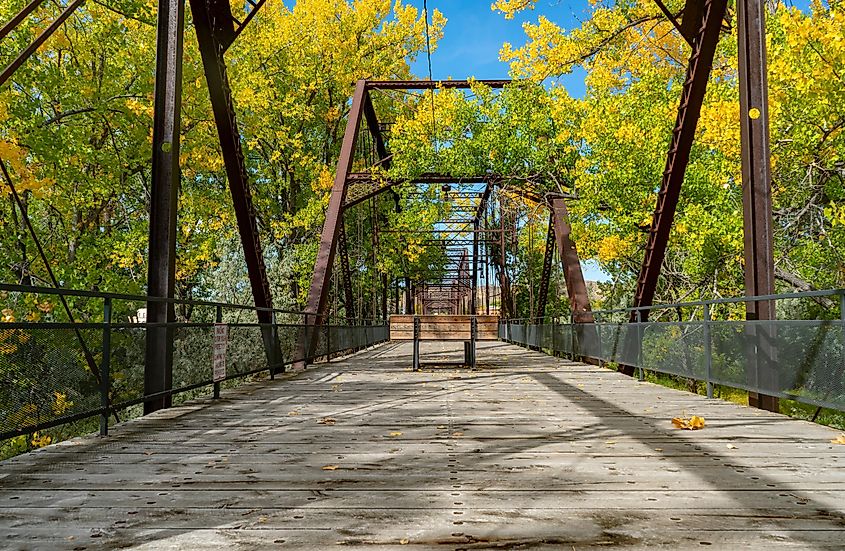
164,196
474,299
473,333
708,352
276,361
219,319
640,373
416,360
105,368
757,192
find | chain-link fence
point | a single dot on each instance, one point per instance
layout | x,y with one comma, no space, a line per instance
801,360
57,368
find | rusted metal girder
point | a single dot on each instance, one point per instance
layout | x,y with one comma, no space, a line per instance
689,110
18,18
576,287
432,84
164,197
757,196
10,69
319,291
683,135
363,185
211,17
546,275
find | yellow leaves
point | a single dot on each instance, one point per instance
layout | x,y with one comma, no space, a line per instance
40,441
693,423
16,158
510,7
7,315
327,421
330,467
612,248
395,433
61,403
324,181
6,344
839,440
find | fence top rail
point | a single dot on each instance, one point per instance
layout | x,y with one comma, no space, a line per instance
15,288
729,300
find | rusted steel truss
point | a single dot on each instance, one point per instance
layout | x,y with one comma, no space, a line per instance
546,276
689,110
215,28
576,287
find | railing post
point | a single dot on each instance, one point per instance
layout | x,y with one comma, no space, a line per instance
708,352
640,373
473,334
219,319
416,361
274,361
328,326
105,380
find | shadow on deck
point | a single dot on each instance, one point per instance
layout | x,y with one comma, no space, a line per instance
527,452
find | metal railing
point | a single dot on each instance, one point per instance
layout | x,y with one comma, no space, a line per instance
54,371
797,359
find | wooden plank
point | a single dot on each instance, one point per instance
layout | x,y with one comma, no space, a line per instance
528,451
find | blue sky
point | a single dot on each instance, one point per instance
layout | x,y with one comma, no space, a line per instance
474,36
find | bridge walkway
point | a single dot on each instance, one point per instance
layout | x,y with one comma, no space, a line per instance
527,452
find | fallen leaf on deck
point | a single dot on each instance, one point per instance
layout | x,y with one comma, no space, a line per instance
404,541
395,433
294,413
329,467
327,421
731,447
457,433
840,440
693,423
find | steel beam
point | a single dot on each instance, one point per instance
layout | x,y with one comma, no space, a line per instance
546,276
18,18
689,110
319,291
708,26
757,195
164,196
432,84
10,69
210,18
576,287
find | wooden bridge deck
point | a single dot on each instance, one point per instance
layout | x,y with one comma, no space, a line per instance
528,452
